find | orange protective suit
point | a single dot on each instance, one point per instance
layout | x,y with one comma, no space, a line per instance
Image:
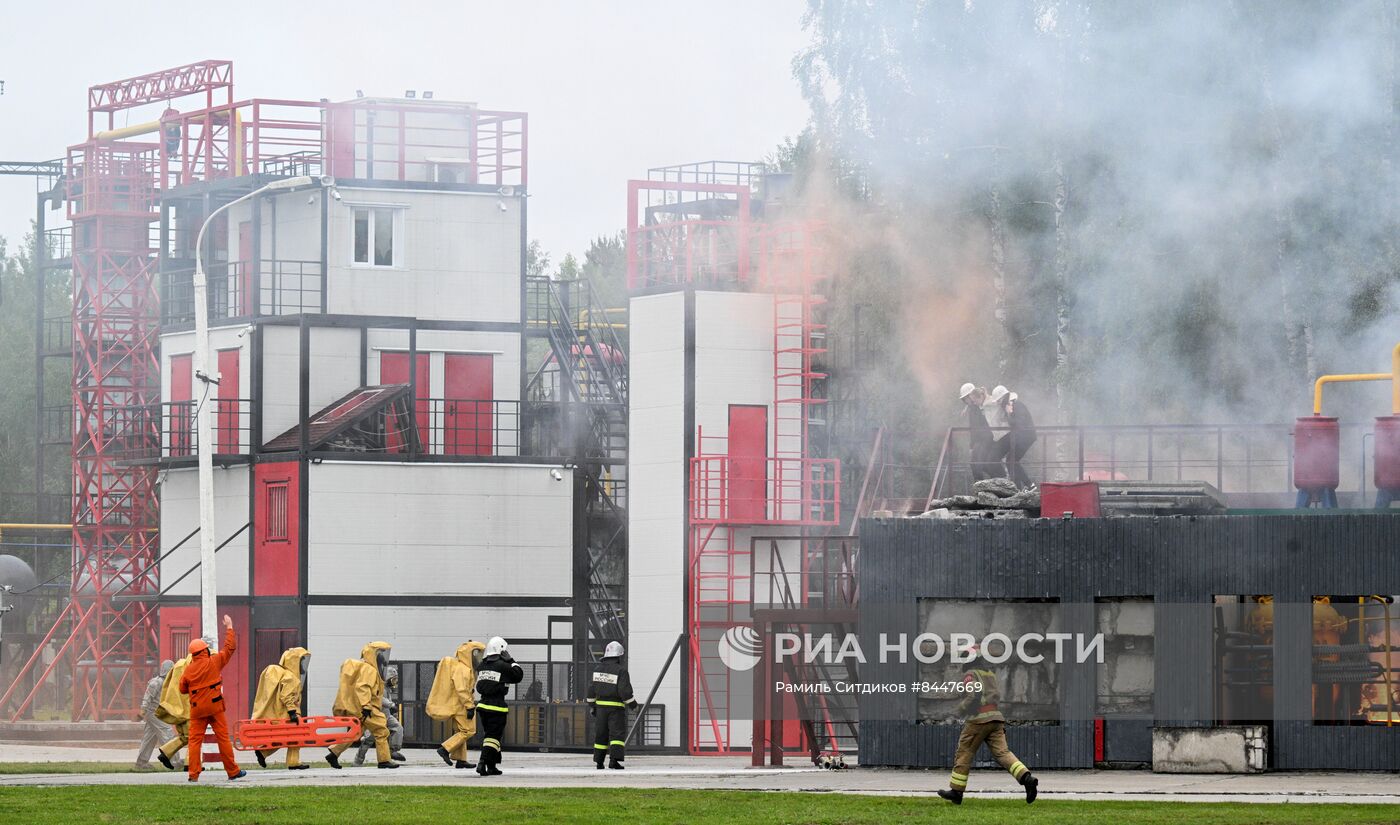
203,681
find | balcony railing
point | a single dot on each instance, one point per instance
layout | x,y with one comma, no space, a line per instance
283,288
735,490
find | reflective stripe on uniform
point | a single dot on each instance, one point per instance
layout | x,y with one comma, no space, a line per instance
599,747
491,743
1018,769
617,742
957,780
609,703
496,708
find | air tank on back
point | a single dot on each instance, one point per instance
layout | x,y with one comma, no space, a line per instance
16,573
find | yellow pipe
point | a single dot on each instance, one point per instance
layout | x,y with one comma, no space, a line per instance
1393,377
1341,379
128,131
7,526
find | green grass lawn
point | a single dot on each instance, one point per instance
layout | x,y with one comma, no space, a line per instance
615,806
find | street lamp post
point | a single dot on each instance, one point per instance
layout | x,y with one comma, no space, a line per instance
204,411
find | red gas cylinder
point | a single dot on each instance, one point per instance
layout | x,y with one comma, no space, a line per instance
1317,461
1388,452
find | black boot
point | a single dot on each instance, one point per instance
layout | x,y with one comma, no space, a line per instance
462,763
398,756
165,760
954,796
494,770
262,760
387,765
444,756
332,760
615,765
1032,786
481,768
598,760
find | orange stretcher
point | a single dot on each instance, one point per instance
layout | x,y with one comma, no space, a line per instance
311,732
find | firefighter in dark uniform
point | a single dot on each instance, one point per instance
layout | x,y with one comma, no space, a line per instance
984,724
497,673
609,697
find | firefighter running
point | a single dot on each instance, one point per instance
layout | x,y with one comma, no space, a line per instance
609,697
497,673
985,724
174,710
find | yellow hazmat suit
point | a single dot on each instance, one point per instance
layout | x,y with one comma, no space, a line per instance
361,694
279,695
453,696
174,710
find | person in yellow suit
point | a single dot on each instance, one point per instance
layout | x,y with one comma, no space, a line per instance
463,681
361,693
174,710
279,697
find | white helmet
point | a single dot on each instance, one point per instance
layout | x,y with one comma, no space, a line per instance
999,392
613,649
496,646
965,390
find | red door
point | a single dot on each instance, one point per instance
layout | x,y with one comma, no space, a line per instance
468,387
179,420
239,302
227,432
393,369
276,529
748,462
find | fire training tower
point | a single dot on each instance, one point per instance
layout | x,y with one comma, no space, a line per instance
726,392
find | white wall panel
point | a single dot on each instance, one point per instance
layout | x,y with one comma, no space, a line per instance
179,516
656,520
281,374
336,633
440,529
459,257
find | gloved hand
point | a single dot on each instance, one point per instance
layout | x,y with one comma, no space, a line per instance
471,713
365,712
632,704
293,717
506,657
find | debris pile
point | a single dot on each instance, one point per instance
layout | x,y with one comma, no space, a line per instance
1160,498
994,498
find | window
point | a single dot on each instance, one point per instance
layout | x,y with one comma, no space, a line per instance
276,524
375,230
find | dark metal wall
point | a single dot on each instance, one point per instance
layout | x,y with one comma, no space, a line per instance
1174,560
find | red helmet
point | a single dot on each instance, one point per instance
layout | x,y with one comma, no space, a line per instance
198,646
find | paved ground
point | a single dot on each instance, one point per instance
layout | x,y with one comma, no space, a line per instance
569,770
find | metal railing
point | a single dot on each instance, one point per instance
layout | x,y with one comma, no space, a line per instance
816,572
284,287
1236,459
168,430
58,243
798,491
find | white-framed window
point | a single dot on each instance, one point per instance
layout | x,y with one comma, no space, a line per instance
377,236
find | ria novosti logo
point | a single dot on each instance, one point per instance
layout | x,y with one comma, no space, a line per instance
739,648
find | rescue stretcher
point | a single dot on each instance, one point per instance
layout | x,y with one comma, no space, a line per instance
310,732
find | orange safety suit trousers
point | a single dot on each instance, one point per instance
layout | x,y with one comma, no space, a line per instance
196,755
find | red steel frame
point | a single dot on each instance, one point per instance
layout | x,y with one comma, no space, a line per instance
680,245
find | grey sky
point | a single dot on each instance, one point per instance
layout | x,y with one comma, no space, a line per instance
611,87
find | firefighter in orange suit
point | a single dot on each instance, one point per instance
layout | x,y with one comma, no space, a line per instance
203,681
984,724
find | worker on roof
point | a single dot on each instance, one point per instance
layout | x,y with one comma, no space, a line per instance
174,710
609,697
1020,438
361,694
391,717
994,410
154,732
203,680
279,697
980,433
453,697
985,723
497,673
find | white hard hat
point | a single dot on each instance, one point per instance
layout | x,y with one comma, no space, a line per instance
495,646
965,390
613,649
999,392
